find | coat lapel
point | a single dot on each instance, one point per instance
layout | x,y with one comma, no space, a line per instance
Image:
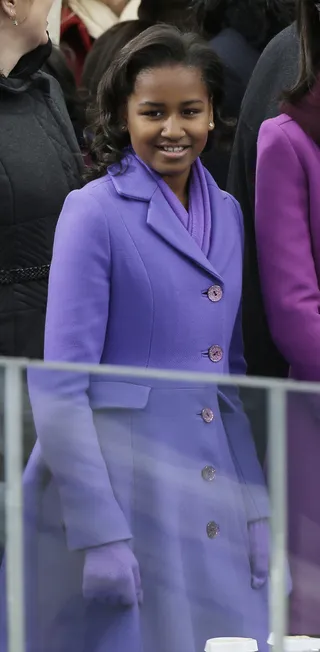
167,225
137,184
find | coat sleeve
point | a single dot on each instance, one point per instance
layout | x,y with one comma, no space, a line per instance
288,275
236,422
77,317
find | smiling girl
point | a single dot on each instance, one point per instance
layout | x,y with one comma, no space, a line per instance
160,491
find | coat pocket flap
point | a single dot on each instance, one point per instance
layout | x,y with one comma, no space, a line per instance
125,396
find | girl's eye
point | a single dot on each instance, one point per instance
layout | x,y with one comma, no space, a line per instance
153,114
191,112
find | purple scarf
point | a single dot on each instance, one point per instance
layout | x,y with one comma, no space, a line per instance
198,220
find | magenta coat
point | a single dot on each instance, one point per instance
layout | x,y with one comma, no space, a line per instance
288,242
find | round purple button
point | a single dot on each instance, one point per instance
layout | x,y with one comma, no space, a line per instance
207,415
215,353
215,293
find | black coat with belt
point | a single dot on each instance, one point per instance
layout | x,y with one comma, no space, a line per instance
40,164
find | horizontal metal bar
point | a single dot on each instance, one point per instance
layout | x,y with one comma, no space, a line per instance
165,374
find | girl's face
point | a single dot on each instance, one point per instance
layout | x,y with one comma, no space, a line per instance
168,118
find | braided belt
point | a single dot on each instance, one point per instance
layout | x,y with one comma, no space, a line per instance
24,274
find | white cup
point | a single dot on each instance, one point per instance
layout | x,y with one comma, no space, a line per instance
298,643
231,645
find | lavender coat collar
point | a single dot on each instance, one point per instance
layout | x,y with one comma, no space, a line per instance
136,184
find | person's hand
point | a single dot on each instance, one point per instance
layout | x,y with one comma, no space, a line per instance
111,573
259,544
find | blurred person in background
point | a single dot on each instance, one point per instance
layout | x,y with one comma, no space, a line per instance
83,21
39,165
173,12
133,469
276,70
288,247
57,66
238,31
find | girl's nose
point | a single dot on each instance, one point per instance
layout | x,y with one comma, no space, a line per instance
173,128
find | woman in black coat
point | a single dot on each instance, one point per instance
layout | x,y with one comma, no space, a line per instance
39,165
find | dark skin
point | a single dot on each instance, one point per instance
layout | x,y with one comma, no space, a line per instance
169,115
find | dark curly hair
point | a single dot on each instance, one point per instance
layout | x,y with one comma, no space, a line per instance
308,23
103,52
158,46
258,21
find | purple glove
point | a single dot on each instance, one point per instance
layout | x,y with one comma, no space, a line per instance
111,573
259,542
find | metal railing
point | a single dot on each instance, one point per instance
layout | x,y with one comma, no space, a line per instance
277,434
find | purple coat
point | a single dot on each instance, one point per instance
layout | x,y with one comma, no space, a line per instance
288,242
138,459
